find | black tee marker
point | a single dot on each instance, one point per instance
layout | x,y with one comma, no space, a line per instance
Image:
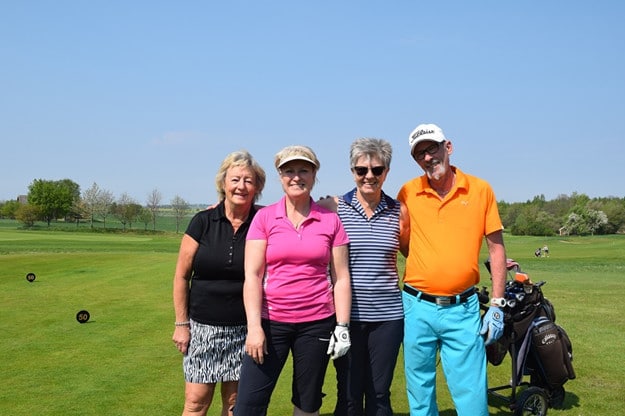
82,316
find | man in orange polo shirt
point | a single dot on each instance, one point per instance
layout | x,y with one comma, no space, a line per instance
450,213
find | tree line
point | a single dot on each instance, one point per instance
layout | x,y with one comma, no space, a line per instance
49,200
575,214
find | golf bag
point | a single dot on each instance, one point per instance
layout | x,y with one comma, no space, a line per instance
551,354
542,348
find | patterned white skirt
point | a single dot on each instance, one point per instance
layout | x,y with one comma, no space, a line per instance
215,353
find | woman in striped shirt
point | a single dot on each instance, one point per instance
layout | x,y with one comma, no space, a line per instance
373,222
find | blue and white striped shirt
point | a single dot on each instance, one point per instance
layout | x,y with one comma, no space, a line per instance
373,258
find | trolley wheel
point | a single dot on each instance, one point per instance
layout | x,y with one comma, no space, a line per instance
531,402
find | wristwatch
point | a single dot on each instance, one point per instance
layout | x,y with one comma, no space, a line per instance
501,302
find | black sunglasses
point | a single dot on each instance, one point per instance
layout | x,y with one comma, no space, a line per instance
376,170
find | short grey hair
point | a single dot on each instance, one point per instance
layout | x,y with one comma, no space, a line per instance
370,147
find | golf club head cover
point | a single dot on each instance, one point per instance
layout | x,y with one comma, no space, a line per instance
492,325
339,342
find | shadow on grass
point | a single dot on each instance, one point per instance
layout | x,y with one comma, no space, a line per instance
450,412
571,401
395,414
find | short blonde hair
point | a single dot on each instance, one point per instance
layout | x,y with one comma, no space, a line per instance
240,158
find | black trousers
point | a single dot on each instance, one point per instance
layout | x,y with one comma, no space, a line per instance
364,375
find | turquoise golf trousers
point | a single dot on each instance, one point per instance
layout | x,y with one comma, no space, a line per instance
452,331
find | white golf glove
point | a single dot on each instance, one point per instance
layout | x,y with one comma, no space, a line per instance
492,325
339,342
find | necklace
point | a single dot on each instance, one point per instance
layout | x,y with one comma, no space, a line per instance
297,220
297,223
297,214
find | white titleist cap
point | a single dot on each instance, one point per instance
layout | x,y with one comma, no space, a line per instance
425,132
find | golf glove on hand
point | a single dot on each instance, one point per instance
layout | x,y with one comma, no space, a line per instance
492,325
339,342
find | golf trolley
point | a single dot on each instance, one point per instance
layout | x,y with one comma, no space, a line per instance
538,347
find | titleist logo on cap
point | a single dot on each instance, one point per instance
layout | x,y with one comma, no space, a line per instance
421,133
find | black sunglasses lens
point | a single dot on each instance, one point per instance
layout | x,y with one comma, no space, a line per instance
360,170
377,170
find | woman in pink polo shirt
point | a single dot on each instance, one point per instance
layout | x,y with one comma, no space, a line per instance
291,303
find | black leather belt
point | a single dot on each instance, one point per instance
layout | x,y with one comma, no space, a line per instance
441,300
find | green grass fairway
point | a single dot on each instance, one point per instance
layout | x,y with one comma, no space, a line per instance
122,362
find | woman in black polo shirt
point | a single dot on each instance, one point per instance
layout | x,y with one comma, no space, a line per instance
210,325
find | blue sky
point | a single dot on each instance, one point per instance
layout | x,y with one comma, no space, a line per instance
143,95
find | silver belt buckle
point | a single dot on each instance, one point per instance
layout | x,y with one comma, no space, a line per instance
443,300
